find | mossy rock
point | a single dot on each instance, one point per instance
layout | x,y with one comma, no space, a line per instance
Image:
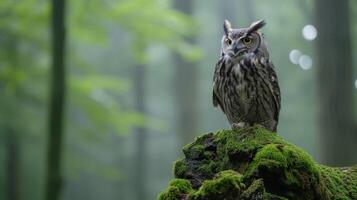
254,163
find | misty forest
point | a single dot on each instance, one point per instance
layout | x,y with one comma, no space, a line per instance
104,100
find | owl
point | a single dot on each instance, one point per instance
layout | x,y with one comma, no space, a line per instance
245,85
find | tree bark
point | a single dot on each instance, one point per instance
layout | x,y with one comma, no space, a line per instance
335,83
141,133
186,86
57,99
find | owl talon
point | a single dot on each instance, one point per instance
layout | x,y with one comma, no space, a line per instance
239,125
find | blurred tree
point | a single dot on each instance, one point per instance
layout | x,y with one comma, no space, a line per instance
57,101
229,11
335,82
13,165
304,7
248,7
239,12
20,59
9,100
101,96
93,105
140,131
186,85
12,135
16,100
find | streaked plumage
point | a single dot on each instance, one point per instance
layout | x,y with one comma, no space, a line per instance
245,85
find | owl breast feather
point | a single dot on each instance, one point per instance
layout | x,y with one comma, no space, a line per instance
245,91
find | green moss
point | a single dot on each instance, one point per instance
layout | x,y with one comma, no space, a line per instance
254,163
246,140
272,152
194,151
283,157
197,148
202,151
238,147
254,191
287,171
172,193
183,185
340,183
268,196
226,182
176,190
180,168
228,185
208,168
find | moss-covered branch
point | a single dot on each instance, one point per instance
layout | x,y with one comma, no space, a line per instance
254,163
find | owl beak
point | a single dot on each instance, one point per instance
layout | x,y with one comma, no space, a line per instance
237,48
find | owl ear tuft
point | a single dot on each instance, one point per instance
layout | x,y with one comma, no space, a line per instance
256,26
227,27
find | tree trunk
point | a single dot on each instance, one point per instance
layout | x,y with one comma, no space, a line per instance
57,95
185,84
12,137
141,132
335,83
12,145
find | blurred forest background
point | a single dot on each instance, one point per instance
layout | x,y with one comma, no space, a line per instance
98,97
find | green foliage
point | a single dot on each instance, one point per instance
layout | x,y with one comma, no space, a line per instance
95,94
148,23
20,60
96,102
153,22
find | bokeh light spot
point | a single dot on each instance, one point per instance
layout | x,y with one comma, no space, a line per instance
309,32
294,56
305,62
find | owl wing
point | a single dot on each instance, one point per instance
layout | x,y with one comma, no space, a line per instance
216,100
274,88
215,97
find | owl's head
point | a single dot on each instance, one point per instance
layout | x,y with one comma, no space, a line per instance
237,43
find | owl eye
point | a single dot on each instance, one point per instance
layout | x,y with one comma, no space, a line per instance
247,41
228,41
